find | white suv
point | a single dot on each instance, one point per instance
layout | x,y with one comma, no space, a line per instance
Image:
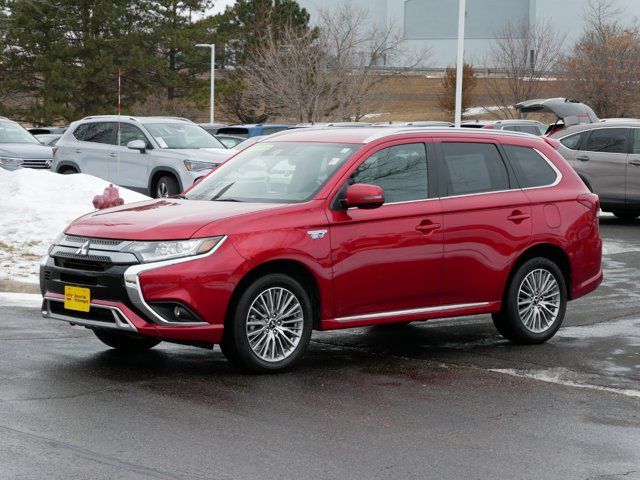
158,156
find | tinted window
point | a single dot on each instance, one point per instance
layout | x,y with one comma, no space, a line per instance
511,128
532,129
129,132
80,131
530,168
100,132
609,140
474,168
400,171
572,142
636,141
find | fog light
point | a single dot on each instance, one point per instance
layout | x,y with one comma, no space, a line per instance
175,312
181,314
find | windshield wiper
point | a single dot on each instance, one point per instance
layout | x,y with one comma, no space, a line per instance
225,200
222,191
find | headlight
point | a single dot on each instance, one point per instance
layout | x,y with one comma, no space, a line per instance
10,162
195,166
156,251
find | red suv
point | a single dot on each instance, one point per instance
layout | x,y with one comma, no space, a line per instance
327,229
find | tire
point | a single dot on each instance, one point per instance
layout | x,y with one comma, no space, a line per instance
256,341
532,318
69,171
626,214
125,342
166,186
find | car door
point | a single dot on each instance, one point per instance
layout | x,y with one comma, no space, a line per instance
388,260
97,150
633,172
132,166
486,220
603,160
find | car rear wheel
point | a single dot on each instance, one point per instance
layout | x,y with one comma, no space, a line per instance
626,214
166,186
126,342
271,325
534,304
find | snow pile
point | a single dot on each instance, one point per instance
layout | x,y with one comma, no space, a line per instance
36,205
473,111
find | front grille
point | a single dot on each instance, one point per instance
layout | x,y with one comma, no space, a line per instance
35,163
77,279
94,241
86,265
96,314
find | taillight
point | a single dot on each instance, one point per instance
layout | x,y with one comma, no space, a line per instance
590,200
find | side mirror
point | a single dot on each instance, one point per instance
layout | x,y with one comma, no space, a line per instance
363,195
139,145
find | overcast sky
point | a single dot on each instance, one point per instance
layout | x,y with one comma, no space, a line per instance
220,5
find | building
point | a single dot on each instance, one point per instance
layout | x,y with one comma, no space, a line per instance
434,23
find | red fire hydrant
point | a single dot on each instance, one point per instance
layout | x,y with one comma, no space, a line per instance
109,198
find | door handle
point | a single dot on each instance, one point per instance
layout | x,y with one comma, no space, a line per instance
635,163
517,216
427,226
78,150
583,158
113,154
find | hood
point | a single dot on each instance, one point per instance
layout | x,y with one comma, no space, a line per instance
571,112
25,150
215,155
165,219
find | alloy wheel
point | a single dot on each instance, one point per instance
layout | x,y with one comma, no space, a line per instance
539,300
274,324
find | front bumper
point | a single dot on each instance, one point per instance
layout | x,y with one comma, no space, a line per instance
118,301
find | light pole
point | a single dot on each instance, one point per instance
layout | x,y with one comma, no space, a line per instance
460,63
213,75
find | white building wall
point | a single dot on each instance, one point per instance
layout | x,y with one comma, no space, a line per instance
440,21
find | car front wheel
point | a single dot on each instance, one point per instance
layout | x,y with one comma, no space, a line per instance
271,326
534,304
166,187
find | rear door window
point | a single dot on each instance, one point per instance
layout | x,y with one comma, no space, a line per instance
473,168
101,132
531,169
607,140
401,172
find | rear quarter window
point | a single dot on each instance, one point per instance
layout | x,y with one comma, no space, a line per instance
530,168
572,142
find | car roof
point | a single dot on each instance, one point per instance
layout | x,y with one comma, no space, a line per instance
254,125
366,135
115,118
512,121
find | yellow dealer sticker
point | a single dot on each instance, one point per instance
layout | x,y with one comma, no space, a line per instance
77,298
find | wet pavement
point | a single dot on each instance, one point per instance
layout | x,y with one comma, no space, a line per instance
444,400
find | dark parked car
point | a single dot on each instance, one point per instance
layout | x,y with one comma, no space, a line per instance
336,228
606,155
48,130
253,130
525,126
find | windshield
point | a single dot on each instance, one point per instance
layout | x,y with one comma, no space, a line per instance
278,172
13,133
182,135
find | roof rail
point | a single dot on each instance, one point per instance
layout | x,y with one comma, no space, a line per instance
392,131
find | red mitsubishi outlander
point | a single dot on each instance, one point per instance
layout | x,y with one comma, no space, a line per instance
327,229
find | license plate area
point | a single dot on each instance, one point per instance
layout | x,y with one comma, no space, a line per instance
77,298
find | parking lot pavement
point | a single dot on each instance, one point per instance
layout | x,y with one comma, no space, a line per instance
447,400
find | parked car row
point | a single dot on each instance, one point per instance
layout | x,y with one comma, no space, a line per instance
19,148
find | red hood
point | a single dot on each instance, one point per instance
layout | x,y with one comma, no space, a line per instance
167,219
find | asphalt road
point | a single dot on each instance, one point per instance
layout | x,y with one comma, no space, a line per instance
441,400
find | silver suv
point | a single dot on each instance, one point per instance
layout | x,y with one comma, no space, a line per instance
18,148
157,156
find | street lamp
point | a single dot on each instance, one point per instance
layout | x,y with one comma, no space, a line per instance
213,74
460,62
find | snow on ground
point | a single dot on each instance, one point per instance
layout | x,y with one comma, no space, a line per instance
472,111
36,206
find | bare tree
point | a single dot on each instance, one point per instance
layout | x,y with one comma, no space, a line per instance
330,72
603,66
522,57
